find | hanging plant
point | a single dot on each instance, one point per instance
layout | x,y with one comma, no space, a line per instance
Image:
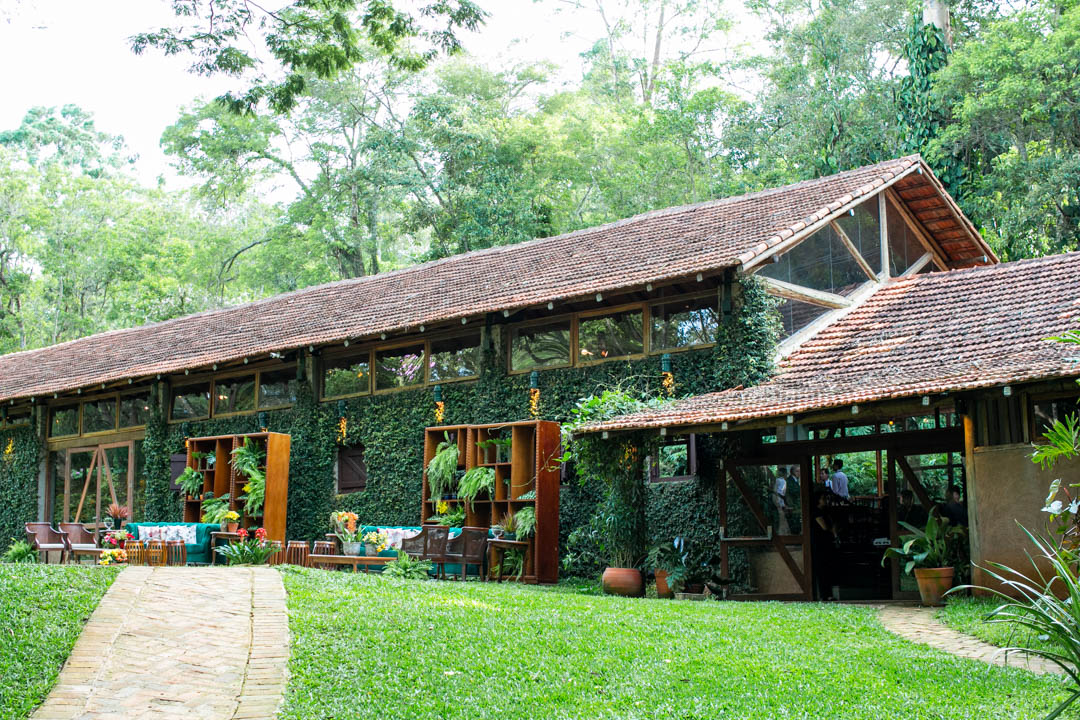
247,460
475,481
441,469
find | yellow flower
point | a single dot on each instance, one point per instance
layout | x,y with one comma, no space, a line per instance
442,507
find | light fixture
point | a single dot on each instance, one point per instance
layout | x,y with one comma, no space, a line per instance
245,361
599,297
604,435
665,362
663,432
1007,391
263,421
464,320
723,425
437,392
700,277
346,343
790,419
854,409
926,400
534,380
421,328
214,366
342,406
648,287
551,306
382,336
506,313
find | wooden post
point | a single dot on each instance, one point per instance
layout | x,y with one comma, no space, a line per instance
806,513
972,487
894,535
721,493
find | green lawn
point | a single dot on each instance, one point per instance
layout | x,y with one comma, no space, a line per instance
967,615
366,646
42,611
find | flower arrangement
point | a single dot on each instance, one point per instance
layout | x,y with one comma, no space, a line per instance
252,549
118,512
534,403
440,412
345,526
230,518
442,507
668,382
379,540
116,538
116,556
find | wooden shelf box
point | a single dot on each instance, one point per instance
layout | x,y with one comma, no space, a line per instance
221,477
530,466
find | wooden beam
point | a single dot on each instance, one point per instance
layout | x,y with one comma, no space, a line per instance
853,250
918,265
778,543
916,228
914,482
805,294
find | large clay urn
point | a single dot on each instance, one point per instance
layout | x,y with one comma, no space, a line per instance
623,581
933,584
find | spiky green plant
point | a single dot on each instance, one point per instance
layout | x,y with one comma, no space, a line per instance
20,551
474,481
526,522
406,567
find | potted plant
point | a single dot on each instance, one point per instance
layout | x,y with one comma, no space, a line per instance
230,521
476,481
118,513
442,469
191,482
668,561
347,530
247,459
506,528
214,508
252,549
926,553
449,516
525,523
376,541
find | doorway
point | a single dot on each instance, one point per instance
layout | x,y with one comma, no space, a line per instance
86,480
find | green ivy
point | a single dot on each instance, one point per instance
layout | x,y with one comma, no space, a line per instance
18,481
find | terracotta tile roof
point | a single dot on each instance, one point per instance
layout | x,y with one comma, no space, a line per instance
932,333
654,247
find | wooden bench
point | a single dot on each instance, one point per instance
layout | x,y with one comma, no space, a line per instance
355,560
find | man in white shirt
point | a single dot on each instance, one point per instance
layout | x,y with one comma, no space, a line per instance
838,480
779,497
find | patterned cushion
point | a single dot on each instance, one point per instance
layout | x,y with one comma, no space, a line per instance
183,533
150,532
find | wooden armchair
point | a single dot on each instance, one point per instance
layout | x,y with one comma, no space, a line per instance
80,541
429,544
468,548
45,539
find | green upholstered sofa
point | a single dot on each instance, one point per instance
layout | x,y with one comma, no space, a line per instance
197,553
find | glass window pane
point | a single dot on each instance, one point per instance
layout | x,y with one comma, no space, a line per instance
864,230
904,247
233,395
399,367
610,336
1047,412
18,416
99,415
64,421
455,358
540,346
277,388
674,460
134,409
795,315
346,376
821,262
190,402
684,324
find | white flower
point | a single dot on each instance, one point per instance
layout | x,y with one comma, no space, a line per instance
1074,507
1054,508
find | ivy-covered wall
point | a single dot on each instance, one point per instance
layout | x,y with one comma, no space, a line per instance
390,427
20,456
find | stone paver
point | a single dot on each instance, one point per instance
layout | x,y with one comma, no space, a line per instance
918,624
207,643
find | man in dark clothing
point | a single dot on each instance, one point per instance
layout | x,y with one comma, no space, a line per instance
953,509
914,515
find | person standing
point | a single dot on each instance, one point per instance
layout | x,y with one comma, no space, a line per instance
838,481
779,498
793,497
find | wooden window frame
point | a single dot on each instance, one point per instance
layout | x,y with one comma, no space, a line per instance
259,407
691,461
427,352
28,421
115,397
218,377
422,343
1035,398
677,298
63,406
571,318
126,393
614,310
343,353
209,380
337,463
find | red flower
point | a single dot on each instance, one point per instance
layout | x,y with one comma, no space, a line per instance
260,533
242,533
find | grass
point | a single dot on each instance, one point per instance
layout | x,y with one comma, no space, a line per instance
42,611
367,646
967,615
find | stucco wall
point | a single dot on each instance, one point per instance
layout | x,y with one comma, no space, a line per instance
1008,488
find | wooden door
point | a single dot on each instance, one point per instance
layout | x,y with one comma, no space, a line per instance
94,477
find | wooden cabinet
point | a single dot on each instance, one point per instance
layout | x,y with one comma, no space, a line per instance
219,477
524,457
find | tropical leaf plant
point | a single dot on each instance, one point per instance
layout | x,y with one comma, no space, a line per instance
20,551
926,548
191,482
247,460
214,508
405,567
526,522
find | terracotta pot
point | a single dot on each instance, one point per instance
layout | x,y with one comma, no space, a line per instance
232,527
623,581
933,583
663,590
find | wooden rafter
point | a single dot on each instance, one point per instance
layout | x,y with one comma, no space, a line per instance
779,542
898,204
853,250
805,294
913,481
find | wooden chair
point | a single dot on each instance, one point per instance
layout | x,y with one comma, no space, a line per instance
80,541
45,539
429,544
296,553
468,548
175,552
321,547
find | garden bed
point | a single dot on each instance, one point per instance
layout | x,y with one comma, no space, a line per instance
42,611
372,647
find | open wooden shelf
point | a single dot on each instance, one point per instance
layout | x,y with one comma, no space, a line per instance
531,467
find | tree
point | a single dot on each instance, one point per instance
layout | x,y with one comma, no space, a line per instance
308,39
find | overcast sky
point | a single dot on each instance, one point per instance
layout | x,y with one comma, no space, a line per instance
77,51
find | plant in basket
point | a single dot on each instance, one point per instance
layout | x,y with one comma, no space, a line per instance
119,513
252,548
376,541
347,530
115,556
116,539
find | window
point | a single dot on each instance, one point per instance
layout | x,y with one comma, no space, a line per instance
795,315
352,471
540,346
610,336
864,231
277,388
347,376
455,358
1046,412
234,395
191,402
64,421
904,246
134,409
18,416
399,367
821,262
99,415
684,324
676,460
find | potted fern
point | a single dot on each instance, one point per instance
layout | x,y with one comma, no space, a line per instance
476,481
442,469
247,459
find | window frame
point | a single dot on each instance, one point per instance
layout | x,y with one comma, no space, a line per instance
339,353
115,397
1035,398
29,418
679,298
218,377
259,407
337,468
427,357
552,320
643,308
422,343
64,406
213,377
691,461
191,381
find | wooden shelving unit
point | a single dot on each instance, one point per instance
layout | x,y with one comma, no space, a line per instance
527,476
221,477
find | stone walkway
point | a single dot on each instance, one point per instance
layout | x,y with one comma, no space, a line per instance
207,643
918,624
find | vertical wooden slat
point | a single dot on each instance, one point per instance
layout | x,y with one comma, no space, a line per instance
67,485
805,512
894,535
